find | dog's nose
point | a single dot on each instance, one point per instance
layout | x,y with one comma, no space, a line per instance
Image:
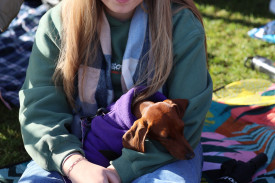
189,155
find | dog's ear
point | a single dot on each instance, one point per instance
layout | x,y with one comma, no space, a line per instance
181,105
138,108
134,138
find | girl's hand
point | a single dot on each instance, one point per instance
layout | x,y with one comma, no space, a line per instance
84,171
111,168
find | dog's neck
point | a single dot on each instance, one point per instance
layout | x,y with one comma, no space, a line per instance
136,110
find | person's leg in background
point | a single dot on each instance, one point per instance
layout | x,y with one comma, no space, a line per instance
272,6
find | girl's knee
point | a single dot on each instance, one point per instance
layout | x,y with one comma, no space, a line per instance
34,173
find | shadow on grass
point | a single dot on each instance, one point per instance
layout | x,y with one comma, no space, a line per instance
230,20
257,8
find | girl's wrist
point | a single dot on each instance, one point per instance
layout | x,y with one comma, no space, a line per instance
70,161
74,164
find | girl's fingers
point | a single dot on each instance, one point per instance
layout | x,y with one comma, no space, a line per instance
112,177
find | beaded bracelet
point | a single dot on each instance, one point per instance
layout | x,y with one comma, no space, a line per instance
72,166
70,155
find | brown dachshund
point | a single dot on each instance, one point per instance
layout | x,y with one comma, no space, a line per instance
161,121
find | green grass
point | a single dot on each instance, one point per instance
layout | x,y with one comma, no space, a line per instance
226,23
12,150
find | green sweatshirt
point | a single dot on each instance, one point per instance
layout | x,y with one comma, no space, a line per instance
45,115
119,37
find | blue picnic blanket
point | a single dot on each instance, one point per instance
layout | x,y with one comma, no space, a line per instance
265,33
15,48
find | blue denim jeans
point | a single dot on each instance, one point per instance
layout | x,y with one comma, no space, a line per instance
35,174
182,171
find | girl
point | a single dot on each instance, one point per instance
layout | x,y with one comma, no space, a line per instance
86,54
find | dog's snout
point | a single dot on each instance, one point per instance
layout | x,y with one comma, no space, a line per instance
190,155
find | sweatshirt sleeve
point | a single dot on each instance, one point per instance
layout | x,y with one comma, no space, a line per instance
189,79
44,114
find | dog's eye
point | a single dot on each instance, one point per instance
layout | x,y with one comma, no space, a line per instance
165,135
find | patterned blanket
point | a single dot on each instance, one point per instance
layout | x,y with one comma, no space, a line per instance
15,48
240,132
11,174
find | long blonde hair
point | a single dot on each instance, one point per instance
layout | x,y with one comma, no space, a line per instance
80,22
